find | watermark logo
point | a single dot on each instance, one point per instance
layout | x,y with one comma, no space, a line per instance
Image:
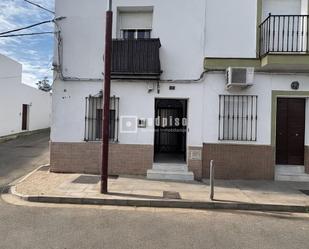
131,124
128,124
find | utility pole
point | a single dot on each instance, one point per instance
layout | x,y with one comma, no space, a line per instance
106,96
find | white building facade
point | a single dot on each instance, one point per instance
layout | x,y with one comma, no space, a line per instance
169,65
23,108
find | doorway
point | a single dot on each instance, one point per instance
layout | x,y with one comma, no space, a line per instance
170,130
25,115
290,134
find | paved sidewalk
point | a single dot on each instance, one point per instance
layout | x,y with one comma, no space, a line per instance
44,186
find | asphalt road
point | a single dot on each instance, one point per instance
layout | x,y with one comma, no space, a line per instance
22,155
65,226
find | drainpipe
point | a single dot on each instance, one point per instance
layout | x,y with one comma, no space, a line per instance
106,98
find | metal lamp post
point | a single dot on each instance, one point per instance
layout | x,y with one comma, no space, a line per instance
106,98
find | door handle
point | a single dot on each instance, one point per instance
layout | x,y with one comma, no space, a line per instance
297,135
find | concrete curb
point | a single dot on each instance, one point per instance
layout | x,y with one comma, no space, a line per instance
25,177
161,203
22,134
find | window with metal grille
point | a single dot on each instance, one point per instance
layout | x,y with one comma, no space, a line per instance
93,118
238,117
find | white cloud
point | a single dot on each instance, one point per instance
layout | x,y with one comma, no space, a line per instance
35,52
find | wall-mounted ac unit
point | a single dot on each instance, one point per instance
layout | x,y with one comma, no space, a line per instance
239,77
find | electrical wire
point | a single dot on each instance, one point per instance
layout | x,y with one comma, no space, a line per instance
27,34
27,27
39,6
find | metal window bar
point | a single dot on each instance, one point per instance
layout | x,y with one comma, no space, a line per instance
284,34
238,117
93,118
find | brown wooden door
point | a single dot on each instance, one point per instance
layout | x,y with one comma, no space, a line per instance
25,118
290,136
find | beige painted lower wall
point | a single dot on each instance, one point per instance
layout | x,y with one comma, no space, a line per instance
246,162
232,161
195,163
86,158
124,159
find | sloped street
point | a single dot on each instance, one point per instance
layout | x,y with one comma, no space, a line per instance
66,226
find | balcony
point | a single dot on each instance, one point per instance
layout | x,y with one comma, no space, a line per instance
284,43
136,59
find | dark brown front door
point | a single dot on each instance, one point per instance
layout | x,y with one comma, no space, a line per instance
290,136
25,118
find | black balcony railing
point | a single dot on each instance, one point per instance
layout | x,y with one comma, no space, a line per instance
137,59
284,34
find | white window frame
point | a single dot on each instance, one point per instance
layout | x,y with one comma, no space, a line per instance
135,32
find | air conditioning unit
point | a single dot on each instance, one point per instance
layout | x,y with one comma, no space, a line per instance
239,77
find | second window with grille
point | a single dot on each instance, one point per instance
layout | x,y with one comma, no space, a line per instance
93,118
238,117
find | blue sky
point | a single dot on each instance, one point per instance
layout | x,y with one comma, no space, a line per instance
34,52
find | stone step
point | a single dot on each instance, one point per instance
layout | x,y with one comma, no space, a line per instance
170,175
292,177
290,170
170,167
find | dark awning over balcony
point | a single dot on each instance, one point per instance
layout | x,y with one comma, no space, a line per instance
136,59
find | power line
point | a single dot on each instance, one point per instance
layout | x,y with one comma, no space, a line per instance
27,27
28,34
39,6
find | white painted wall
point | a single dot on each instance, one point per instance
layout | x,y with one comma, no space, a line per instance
188,30
231,28
304,7
13,94
69,102
68,108
203,107
83,31
134,100
282,7
264,84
